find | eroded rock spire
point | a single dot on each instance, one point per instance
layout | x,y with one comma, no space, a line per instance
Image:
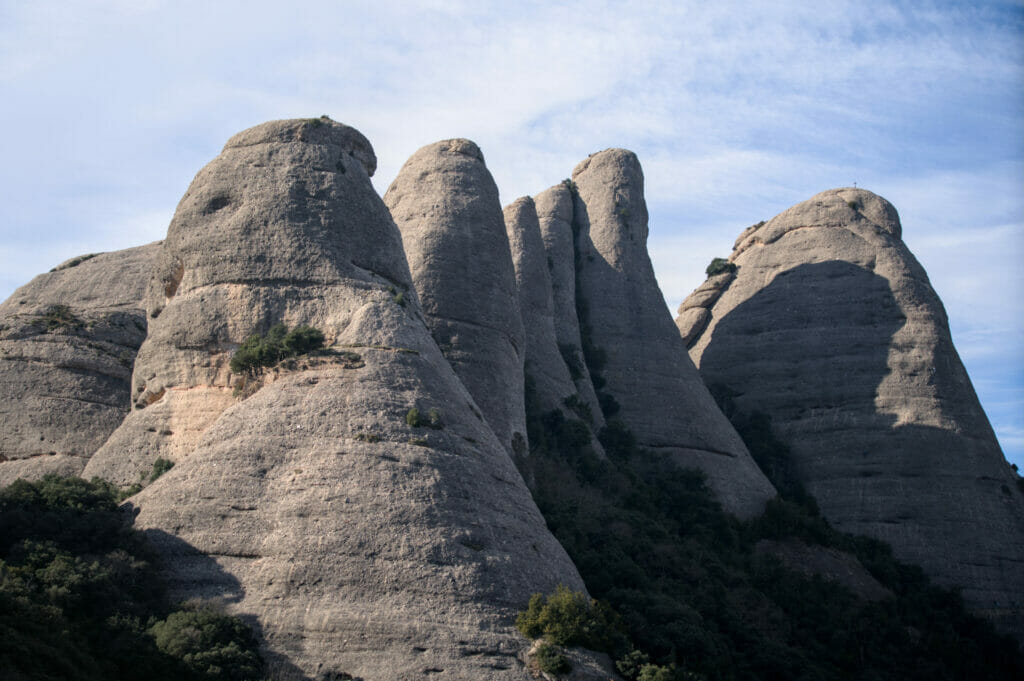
830,326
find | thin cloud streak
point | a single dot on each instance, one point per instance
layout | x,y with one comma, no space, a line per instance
736,114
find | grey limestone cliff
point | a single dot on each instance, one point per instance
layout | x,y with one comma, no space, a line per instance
830,326
660,395
445,203
68,340
357,540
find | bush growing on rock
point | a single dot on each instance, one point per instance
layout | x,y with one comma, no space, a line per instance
257,352
718,266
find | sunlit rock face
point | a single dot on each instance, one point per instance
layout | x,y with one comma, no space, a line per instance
68,341
446,206
359,541
830,326
549,378
660,394
555,210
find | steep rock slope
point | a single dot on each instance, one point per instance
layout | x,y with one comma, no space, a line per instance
554,208
445,203
247,249
660,394
68,340
551,379
358,542
830,326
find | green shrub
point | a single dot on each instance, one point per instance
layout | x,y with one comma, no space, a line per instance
59,317
412,417
212,645
160,466
79,594
257,352
551,659
569,618
432,420
718,266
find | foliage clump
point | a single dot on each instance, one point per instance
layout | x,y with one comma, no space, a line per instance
719,266
80,596
699,601
417,420
257,351
569,618
59,316
551,658
160,466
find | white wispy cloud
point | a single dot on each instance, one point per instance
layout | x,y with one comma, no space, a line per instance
736,111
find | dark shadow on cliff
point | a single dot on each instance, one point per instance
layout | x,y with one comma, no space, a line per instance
191,574
810,351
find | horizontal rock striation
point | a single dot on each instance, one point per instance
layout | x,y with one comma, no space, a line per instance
445,203
68,340
274,230
831,327
644,364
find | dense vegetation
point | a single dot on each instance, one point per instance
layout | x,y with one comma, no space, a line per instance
693,591
80,598
258,351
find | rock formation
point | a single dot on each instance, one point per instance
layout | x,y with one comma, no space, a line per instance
550,378
359,540
445,203
247,249
830,326
659,393
68,341
554,212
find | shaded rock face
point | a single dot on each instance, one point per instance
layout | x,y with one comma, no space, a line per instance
275,229
445,203
68,340
832,329
661,396
549,377
555,214
358,543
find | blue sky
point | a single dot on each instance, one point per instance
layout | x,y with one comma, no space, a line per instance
736,110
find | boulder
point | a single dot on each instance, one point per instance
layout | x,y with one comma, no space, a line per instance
446,206
831,328
68,341
645,368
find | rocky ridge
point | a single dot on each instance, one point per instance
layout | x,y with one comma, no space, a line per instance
68,341
358,539
656,388
830,326
446,206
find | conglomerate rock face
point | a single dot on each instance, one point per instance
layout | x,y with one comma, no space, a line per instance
830,326
446,205
646,369
554,209
253,243
358,540
549,376
68,340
